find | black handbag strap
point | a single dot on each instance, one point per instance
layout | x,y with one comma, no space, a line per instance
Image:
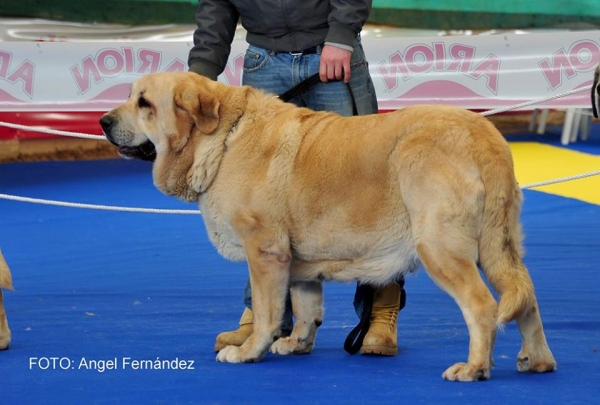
306,84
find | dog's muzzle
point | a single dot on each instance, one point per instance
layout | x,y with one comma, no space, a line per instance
144,151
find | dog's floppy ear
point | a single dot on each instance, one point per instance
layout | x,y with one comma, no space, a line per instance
202,106
596,93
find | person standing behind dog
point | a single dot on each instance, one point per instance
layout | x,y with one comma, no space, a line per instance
289,41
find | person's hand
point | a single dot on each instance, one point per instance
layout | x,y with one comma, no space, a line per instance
335,64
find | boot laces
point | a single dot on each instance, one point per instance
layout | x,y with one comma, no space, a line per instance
386,314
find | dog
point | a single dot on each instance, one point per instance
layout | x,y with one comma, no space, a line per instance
5,282
306,197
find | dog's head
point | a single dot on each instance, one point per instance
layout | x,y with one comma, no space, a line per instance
162,111
596,93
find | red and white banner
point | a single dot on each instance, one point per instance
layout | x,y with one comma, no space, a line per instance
475,72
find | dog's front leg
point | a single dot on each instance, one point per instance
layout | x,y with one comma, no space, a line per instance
4,330
269,267
5,282
307,304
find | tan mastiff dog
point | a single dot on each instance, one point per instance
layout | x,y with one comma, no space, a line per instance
306,196
5,282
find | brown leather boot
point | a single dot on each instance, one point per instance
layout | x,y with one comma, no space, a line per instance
382,337
236,337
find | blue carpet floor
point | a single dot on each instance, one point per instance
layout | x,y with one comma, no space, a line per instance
98,285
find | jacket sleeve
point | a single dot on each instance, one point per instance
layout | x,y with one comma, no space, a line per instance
216,21
346,20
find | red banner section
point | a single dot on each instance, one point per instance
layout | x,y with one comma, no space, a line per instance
73,121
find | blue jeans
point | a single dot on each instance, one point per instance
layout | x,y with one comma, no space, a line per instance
277,72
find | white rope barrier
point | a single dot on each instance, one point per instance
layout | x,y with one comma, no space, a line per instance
561,180
52,131
196,212
96,206
536,101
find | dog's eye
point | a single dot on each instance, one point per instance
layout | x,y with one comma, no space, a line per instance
143,103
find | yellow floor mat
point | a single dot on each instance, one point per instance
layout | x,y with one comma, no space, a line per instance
538,162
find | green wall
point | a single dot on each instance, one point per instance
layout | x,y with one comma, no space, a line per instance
551,7
431,14
145,12
487,14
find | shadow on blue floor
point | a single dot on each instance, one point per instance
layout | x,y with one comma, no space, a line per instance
124,287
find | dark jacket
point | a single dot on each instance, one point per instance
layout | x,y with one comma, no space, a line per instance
277,25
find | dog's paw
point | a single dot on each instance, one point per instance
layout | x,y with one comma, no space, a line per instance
466,372
529,362
234,354
288,345
4,340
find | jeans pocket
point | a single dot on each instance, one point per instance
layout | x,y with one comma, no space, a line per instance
255,59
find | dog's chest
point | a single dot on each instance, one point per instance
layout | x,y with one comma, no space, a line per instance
220,232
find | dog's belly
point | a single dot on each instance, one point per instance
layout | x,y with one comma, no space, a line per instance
327,251
377,263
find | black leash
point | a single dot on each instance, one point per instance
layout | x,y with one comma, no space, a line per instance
306,84
355,338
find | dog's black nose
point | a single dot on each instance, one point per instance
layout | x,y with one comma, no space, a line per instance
107,122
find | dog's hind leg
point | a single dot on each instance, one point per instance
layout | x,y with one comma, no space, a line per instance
457,274
535,355
5,282
307,304
509,276
500,256
445,207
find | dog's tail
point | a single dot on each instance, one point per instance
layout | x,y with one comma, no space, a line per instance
500,245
